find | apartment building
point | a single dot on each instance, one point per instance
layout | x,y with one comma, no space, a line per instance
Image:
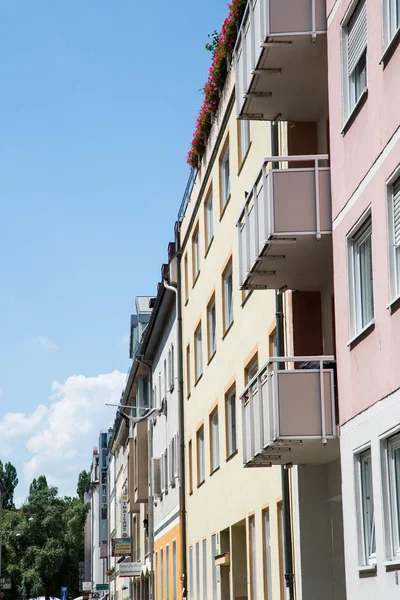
160,347
364,87
285,244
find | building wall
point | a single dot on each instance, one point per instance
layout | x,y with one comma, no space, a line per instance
170,535
362,160
231,494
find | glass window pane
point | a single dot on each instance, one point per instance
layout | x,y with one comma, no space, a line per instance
204,551
198,571
367,506
267,552
232,423
191,582
214,568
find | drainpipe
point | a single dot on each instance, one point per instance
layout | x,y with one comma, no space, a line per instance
182,482
280,348
150,507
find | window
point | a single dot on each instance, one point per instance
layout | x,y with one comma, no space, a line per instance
228,297
162,573
191,582
367,519
267,556
212,345
230,406
361,278
225,177
394,237
214,567
167,571
174,573
280,545
204,552
244,139
156,578
198,571
200,456
393,457
214,432
190,452
252,545
165,470
355,57
172,368
198,352
186,277
392,19
209,219
196,254
188,370
165,378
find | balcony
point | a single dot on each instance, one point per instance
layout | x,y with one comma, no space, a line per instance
285,226
289,415
281,60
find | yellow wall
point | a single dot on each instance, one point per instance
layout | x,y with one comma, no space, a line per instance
162,542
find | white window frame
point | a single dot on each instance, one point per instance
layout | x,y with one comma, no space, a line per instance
214,432
267,554
198,341
350,101
391,26
214,551
197,559
244,125
200,449
228,297
225,177
209,214
167,574
393,494
174,572
212,326
231,422
360,235
196,254
204,553
392,193
365,506
191,578
162,567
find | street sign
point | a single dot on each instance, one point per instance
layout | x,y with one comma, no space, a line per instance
86,586
64,592
130,569
121,547
101,587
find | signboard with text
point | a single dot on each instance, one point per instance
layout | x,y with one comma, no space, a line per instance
86,586
124,516
101,587
121,546
130,569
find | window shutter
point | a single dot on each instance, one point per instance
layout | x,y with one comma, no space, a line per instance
396,212
356,35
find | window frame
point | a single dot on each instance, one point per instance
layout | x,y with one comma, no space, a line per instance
390,29
243,148
215,456
198,352
393,490
227,273
394,253
214,550
188,371
348,79
190,465
267,554
231,448
225,176
211,348
365,496
200,453
196,254
359,235
209,219
252,556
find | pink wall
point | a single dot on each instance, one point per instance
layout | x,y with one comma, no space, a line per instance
369,371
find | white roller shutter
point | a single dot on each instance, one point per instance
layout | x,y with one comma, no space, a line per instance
396,212
356,35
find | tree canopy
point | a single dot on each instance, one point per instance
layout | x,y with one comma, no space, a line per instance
10,480
43,543
83,484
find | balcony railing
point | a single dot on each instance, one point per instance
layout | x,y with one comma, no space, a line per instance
285,226
281,61
289,415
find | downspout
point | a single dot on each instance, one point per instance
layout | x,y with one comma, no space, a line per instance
150,472
280,348
182,481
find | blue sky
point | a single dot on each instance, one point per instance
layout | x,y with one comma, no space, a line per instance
97,109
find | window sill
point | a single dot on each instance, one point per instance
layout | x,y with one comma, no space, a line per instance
390,49
232,455
209,246
394,305
361,335
211,357
367,570
215,470
392,565
227,330
198,379
224,207
361,101
201,483
244,159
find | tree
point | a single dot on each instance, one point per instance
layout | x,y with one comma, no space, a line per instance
10,480
43,543
83,484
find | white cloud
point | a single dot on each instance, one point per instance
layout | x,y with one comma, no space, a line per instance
71,428
45,343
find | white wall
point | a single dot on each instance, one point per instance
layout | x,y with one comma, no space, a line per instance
369,428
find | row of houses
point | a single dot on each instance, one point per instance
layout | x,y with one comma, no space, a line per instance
256,450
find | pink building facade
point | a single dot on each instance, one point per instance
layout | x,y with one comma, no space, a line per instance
364,113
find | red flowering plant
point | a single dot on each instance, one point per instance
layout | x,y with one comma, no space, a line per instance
222,51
